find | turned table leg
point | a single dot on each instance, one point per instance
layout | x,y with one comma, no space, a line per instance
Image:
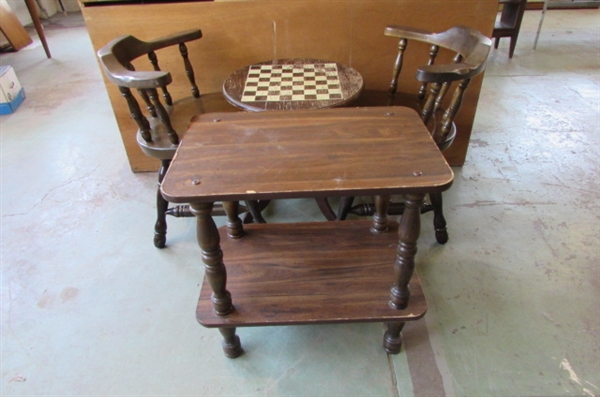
408,233
380,218
215,272
235,227
392,339
231,343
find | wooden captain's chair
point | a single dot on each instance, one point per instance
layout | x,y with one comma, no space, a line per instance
160,130
461,53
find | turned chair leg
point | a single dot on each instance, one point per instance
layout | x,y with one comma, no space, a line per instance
255,211
439,222
344,208
231,343
392,339
162,205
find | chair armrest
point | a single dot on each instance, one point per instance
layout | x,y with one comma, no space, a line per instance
470,43
448,72
117,54
177,38
118,74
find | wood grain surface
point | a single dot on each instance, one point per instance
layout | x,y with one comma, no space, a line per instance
306,153
236,34
322,272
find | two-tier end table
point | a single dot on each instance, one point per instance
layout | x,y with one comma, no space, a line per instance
313,272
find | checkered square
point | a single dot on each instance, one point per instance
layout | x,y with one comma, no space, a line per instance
279,83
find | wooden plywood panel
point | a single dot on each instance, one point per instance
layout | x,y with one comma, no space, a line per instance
240,33
10,26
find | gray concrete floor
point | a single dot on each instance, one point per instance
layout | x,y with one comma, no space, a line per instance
90,307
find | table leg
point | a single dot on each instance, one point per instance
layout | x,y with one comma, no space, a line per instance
537,34
408,234
215,272
380,217
392,340
235,227
231,343
38,25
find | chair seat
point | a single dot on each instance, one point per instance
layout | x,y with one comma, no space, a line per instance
180,114
503,28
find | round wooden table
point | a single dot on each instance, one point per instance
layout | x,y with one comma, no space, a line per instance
292,84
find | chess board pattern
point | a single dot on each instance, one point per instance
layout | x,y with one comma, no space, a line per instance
302,82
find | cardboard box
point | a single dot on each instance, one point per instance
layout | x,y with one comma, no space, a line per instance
11,92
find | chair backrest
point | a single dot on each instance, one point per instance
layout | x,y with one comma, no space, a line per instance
468,50
116,59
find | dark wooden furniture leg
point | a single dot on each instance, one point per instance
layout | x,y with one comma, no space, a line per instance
162,205
392,339
215,272
38,25
344,208
255,210
380,217
235,227
231,343
325,207
439,222
408,233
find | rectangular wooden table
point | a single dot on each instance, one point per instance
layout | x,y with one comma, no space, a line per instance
317,272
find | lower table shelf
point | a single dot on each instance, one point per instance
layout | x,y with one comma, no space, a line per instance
309,273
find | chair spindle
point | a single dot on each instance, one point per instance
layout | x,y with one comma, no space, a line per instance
452,109
189,71
143,95
154,61
427,111
433,51
136,114
163,115
397,66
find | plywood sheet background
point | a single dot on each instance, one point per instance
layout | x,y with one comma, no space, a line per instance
240,33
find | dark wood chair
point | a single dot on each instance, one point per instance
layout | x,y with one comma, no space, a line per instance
461,54
160,130
509,23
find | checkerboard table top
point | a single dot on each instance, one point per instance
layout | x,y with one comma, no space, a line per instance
292,84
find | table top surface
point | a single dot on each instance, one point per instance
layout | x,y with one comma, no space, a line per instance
305,153
293,84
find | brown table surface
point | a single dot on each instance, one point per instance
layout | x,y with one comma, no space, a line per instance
293,84
310,273
306,153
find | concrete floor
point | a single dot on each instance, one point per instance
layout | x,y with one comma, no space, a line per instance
90,307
